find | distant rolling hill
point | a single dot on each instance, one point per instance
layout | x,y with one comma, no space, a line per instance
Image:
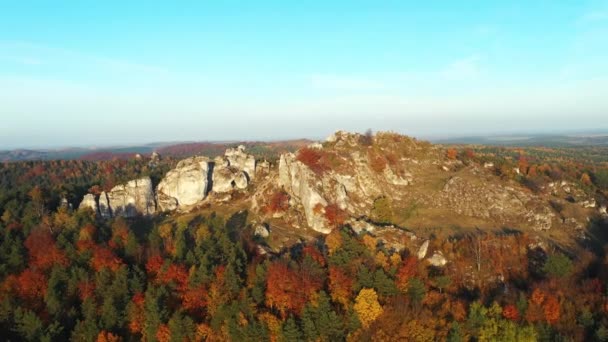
182,149
531,140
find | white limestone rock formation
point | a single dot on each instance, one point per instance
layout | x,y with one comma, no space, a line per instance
423,250
104,205
88,201
238,158
262,230
65,204
185,185
301,184
438,260
228,178
134,198
262,168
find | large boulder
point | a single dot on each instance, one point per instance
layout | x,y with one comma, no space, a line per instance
228,178
239,159
438,260
134,198
88,202
262,230
423,250
185,185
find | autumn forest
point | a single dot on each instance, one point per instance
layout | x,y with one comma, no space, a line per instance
65,274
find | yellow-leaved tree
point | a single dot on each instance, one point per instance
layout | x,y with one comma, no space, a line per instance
367,306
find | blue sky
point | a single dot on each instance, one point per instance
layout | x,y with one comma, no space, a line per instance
117,72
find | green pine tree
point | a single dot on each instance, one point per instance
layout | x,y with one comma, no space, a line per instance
291,332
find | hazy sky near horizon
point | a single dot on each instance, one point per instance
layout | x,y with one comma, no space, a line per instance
82,73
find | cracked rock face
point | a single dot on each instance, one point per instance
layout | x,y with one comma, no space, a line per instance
104,206
228,178
300,182
352,189
185,185
133,198
238,158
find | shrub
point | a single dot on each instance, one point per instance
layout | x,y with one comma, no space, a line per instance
334,215
368,138
279,202
600,179
382,211
451,153
314,159
377,162
558,265
392,159
532,184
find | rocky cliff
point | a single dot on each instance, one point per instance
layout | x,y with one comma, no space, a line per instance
185,185
133,198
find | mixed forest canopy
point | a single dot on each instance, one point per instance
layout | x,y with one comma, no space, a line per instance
67,275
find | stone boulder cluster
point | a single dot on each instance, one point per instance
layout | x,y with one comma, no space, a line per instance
187,184
134,198
487,200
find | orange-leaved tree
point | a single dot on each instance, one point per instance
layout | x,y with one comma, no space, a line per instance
340,286
284,290
43,251
406,272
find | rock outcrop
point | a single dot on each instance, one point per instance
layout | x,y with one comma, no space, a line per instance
350,171
423,250
352,186
486,200
438,260
185,185
104,206
88,201
302,185
239,159
262,230
193,178
228,178
375,184
134,198
65,204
